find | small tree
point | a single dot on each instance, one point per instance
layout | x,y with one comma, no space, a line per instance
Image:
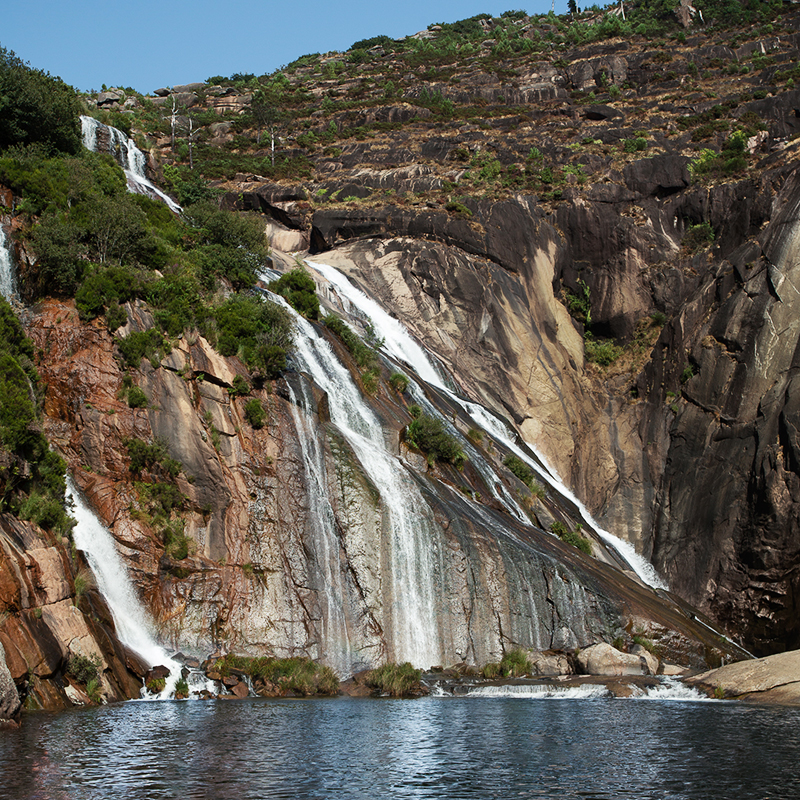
267,115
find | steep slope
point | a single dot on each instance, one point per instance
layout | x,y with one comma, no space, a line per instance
481,196
547,218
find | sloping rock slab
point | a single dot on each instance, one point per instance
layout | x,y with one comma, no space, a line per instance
774,679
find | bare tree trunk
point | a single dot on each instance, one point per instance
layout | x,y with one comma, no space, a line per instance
191,144
173,122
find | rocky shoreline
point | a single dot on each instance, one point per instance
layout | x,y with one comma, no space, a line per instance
598,671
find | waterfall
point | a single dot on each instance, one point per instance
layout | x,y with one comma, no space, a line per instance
8,283
339,653
134,627
401,346
412,627
125,152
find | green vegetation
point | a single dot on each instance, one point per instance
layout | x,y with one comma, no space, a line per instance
572,537
396,680
428,434
181,689
258,331
731,160
254,413
299,675
601,351
698,236
580,303
398,382
153,457
156,685
364,355
83,668
524,473
32,482
514,664
299,290
35,108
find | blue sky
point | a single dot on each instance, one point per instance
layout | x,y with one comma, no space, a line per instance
149,44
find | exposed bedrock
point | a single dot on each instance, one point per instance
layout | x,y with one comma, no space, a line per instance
699,472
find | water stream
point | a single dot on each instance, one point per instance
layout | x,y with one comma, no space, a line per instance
8,282
134,626
125,152
401,346
414,627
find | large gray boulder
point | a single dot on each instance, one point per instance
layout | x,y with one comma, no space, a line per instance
603,659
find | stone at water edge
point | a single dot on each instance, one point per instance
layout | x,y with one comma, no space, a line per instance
774,679
9,698
603,659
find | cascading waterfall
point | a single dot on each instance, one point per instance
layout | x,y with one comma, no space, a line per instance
413,629
8,283
339,653
401,346
125,152
134,628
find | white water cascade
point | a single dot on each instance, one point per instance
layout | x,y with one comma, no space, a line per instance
134,627
401,346
8,283
412,556
340,655
128,156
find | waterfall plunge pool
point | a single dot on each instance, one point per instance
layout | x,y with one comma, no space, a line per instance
431,748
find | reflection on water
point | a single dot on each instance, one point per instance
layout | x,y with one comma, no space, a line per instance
433,748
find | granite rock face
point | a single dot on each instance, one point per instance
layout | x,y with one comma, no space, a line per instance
774,679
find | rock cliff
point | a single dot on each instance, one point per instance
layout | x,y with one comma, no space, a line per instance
598,244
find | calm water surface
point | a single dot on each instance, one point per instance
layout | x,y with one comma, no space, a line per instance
431,748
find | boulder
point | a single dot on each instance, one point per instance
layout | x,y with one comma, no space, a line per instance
549,662
660,175
603,659
9,699
774,679
647,658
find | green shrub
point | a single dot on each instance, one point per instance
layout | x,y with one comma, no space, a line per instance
635,145
176,542
601,351
698,236
154,457
137,398
428,434
299,290
370,380
396,680
254,413
571,537
37,108
364,355
258,331
515,664
298,675
520,469
156,685
143,344
181,689
83,668
475,435
240,387
398,382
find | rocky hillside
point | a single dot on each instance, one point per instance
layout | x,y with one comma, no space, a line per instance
588,220
478,183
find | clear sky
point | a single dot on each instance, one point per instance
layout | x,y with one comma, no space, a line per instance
153,43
